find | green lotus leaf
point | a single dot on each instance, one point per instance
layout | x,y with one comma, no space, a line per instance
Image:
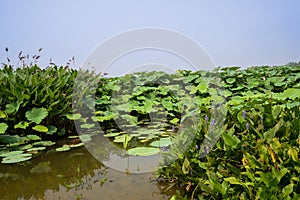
44,143
25,147
87,125
163,142
36,149
202,87
51,130
11,153
40,128
22,125
73,136
36,115
73,116
112,134
9,139
292,93
11,108
16,158
230,80
63,148
3,127
122,138
76,145
32,137
167,103
143,151
174,121
131,119
2,114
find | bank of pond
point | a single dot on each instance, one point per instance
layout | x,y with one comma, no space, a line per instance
229,133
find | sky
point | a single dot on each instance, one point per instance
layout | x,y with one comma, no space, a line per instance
233,33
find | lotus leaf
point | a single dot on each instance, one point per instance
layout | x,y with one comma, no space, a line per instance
9,139
112,134
2,114
11,153
22,125
3,127
40,128
16,158
230,80
36,149
87,125
44,143
51,130
73,116
143,151
11,108
37,115
163,142
76,145
63,148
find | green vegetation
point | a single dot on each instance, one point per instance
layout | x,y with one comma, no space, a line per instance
232,134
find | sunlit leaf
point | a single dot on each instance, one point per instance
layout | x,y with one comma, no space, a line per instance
3,127
73,116
143,151
36,115
40,128
63,148
22,125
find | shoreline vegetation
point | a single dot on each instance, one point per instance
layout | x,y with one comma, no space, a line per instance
244,123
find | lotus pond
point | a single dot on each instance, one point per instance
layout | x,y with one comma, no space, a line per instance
74,174
221,134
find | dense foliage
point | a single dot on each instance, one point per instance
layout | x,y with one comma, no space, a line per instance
253,115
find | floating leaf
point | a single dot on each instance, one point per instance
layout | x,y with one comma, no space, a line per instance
76,145
3,127
2,114
36,115
22,125
112,134
16,158
32,137
163,142
9,139
143,151
174,121
202,87
44,143
63,148
230,80
11,108
40,128
87,125
36,149
73,116
122,138
11,153
51,130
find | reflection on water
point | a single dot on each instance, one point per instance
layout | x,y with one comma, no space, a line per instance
74,175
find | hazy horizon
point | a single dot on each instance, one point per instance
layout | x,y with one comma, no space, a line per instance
233,33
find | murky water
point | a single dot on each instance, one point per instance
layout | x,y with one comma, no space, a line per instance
75,175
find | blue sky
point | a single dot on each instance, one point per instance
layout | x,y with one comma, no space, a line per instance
242,33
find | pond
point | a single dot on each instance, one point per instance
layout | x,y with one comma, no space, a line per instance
75,174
